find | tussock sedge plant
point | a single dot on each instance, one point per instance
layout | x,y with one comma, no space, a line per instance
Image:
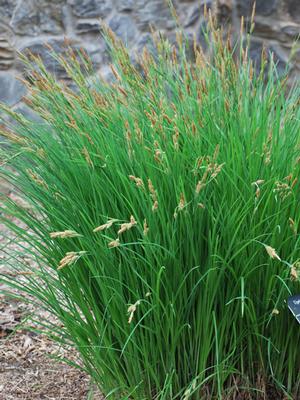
162,219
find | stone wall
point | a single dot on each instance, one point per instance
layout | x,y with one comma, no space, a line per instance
28,24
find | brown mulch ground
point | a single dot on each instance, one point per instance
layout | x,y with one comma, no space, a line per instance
29,369
26,372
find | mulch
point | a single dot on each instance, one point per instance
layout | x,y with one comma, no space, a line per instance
30,366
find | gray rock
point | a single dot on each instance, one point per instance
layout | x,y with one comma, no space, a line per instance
255,54
224,12
11,89
193,16
125,5
7,53
145,40
88,27
26,18
279,59
154,12
59,46
267,28
266,7
51,19
7,8
201,4
38,48
206,3
263,7
189,46
106,74
296,56
91,8
124,27
292,31
294,9
188,42
31,17
203,35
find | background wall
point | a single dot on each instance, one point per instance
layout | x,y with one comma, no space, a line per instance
28,24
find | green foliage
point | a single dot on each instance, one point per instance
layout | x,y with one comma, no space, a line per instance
162,211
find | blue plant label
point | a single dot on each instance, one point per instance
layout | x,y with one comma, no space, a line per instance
294,306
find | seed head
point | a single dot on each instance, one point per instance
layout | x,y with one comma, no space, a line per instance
158,154
128,225
146,228
87,156
151,189
132,309
199,187
293,226
294,273
175,138
70,258
272,252
36,178
153,195
107,225
216,170
275,311
64,234
258,182
181,204
138,181
155,206
114,243
115,72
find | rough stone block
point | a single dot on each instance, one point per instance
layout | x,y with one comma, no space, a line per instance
192,17
11,89
91,8
60,47
294,9
255,54
31,17
124,27
154,12
125,5
7,53
263,7
88,26
7,8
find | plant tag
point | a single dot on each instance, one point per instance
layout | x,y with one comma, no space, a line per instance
294,306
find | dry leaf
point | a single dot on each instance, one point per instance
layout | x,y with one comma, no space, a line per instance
6,318
27,343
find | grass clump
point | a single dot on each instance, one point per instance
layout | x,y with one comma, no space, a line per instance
163,214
